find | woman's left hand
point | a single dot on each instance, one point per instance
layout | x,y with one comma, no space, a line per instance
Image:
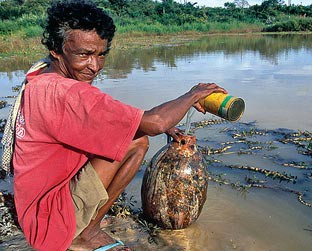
174,133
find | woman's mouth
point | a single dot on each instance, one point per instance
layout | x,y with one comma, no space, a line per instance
88,77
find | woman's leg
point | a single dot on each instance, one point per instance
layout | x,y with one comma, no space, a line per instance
115,176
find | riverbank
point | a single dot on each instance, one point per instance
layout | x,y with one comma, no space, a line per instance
18,46
30,48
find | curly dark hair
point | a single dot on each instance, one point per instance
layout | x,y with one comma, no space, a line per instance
67,15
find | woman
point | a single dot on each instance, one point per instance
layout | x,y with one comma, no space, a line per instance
77,148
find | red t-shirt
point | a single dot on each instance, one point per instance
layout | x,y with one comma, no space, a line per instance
61,121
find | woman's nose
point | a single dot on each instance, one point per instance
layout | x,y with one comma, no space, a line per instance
93,63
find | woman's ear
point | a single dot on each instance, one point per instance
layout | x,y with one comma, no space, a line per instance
55,55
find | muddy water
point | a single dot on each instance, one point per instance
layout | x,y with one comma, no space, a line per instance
273,75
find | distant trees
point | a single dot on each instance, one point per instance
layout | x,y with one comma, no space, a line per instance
12,9
241,3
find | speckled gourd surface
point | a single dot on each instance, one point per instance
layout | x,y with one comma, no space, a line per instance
175,184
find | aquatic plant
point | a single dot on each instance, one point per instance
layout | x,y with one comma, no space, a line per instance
152,229
207,150
299,165
8,217
16,88
266,141
253,131
303,141
3,104
268,173
122,207
2,125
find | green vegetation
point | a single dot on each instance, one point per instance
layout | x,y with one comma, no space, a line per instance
26,17
22,21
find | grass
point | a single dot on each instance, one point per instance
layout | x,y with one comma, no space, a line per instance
17,45
26,40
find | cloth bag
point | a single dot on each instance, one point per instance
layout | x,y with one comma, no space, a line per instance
9,130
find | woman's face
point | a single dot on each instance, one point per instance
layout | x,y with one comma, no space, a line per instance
83,55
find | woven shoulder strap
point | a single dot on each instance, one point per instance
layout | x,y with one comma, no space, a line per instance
9,130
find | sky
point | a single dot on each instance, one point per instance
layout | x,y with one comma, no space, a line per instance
220,3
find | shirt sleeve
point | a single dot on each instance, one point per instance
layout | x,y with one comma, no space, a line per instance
96,123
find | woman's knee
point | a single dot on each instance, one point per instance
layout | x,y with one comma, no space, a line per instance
141,144
139,147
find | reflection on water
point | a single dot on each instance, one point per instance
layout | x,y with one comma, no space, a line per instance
272,73
269,47
122,62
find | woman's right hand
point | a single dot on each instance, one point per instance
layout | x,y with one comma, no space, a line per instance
203,90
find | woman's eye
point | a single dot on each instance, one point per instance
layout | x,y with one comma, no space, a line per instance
104,53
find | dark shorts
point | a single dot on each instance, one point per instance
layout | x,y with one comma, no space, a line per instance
88,194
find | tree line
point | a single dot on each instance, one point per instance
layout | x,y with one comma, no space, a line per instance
168,16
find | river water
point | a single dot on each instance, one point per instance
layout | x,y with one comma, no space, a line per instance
273,74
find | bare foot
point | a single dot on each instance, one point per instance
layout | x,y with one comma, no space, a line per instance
99,240
107,220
